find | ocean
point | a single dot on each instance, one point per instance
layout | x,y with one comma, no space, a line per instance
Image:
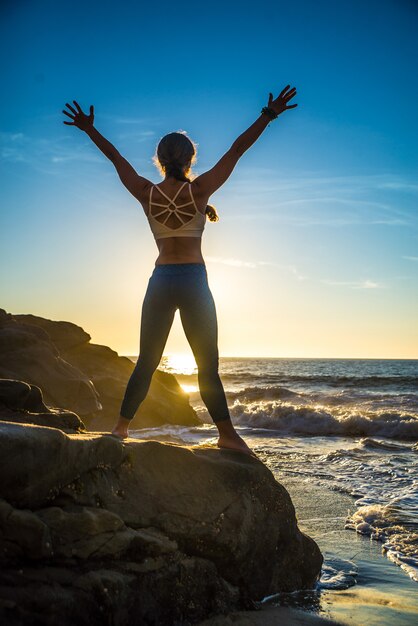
341,435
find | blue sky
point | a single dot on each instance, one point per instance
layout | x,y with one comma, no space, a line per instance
316,251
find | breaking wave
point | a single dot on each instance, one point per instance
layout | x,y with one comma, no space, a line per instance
312,421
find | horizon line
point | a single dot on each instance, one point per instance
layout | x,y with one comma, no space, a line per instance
356,358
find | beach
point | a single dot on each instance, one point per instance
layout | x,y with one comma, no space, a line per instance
340,435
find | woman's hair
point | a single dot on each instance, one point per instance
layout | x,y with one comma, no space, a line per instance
174,156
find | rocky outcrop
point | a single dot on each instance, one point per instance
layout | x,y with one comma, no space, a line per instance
95,530
88,379
23,403
27,353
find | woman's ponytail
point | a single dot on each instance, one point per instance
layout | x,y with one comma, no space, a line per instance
212,213
174,156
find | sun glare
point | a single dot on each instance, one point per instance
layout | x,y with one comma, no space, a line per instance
180,364
189,388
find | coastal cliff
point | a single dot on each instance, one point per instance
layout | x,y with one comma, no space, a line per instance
88,379
96,530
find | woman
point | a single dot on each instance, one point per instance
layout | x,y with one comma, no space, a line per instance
179,280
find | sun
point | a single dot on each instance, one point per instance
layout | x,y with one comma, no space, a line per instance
189,388
180,364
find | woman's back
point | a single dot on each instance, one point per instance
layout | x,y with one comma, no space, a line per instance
180,193
180,247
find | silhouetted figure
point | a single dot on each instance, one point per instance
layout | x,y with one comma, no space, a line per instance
177,210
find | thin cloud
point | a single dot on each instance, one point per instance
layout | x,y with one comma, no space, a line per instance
232,262
131,120
254,264
137,135
400,186
325,200
359,183
139,121
287,267
411,258
44,154
354,284
41,151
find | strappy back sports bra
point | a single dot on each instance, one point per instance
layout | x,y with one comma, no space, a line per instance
189,224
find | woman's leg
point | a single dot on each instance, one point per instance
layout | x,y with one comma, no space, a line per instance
199,320
157,317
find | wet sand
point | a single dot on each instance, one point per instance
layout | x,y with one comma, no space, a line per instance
383,594
269,616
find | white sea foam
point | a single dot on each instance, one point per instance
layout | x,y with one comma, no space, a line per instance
337,573
384,445
383,477
288,418
400,543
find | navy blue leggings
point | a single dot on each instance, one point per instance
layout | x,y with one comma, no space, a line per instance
182,286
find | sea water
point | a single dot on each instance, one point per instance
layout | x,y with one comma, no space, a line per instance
347,425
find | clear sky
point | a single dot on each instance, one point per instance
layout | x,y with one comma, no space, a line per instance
316,250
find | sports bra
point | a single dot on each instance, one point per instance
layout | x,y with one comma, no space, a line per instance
189,224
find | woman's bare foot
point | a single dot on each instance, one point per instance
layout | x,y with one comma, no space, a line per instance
121,428
229,439
236,443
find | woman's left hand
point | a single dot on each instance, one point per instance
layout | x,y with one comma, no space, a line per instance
279,104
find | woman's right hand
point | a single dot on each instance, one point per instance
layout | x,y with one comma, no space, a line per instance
279,104
81,120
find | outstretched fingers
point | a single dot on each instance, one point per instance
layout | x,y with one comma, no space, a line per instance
283,98
70,116
71,108
78,107
79,119
283,90
290,94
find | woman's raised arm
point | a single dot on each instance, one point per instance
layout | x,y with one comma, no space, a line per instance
248,137
214,178
85,122
134,183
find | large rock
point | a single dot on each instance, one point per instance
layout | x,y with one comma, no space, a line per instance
28,354
82,377
147,531
64,335
24,404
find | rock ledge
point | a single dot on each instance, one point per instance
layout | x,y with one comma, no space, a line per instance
96,530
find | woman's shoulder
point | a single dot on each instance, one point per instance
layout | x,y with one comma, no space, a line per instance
199,192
